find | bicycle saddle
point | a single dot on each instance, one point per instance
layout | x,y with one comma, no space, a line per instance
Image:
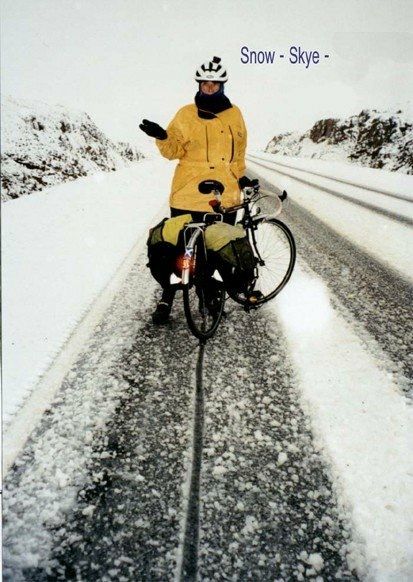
208,186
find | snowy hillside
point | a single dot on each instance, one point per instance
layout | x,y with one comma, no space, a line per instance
371,138
43,145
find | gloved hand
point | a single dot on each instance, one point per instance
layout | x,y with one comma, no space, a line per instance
153,129
245,181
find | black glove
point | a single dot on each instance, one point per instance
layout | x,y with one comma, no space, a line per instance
244,182
153,129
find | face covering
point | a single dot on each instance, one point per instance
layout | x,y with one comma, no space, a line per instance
214,103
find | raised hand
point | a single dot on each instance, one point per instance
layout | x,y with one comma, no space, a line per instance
153,129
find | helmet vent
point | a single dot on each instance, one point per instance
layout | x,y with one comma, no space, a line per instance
212,71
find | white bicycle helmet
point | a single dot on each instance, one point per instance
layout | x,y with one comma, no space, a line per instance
212,71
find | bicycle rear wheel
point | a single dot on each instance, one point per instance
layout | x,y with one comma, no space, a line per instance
204,299
274,248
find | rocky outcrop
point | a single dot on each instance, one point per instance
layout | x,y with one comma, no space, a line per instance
44,145
371,138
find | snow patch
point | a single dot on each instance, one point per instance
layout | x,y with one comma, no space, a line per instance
363,424
51,277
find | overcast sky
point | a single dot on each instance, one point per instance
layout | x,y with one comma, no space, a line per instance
121,60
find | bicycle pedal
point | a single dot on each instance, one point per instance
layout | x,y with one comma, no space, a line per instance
254,297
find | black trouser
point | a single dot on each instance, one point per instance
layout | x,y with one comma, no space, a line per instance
199,216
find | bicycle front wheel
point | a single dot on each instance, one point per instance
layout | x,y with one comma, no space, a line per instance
204,299
274,248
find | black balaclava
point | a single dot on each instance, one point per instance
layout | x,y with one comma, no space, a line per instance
211,104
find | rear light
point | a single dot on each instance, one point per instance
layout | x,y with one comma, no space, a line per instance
185,262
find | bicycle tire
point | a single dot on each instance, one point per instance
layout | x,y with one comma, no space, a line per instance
201,321
275,251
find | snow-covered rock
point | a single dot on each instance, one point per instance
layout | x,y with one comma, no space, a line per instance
43,145
371,138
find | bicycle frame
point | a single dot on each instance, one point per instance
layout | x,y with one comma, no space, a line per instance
203,317
249,222
198,229
189,256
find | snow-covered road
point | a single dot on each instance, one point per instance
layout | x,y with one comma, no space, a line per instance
380,225
305,467
104,480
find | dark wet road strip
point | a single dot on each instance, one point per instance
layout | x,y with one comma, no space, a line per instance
262,501
374,208
189,565
373,295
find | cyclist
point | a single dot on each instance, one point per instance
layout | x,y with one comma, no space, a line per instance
209,139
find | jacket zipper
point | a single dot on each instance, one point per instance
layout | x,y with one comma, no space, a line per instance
206,134
232,144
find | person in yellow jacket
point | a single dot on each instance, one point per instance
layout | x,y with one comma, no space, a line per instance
209,139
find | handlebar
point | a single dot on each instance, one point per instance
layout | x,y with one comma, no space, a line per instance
249,191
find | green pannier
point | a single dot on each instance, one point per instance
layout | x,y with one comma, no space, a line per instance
231,245
228,247
168,230
162,247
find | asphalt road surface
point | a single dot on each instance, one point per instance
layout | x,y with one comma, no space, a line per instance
130,498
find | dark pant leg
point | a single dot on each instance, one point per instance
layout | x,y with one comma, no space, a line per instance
199,216
162,258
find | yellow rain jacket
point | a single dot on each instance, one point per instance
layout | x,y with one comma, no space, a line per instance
206,149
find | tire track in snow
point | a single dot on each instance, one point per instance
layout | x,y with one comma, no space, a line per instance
97,492
42,485
387,193
377,209
377,298
125,520
189,566
134,530
268,510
